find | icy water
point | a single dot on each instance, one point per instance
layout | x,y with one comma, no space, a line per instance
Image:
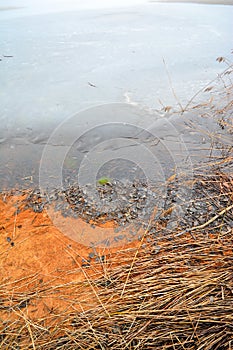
81,86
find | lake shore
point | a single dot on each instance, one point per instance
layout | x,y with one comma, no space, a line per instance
204,2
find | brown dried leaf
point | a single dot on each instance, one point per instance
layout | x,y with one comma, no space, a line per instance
220,59
208,88
167,108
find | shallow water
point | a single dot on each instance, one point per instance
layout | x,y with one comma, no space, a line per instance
68,58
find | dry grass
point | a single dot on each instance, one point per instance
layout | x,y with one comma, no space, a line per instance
178,294
179,298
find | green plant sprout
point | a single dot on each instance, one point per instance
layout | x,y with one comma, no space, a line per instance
104,181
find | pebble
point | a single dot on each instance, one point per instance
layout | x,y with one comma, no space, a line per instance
132,202
100,258
119,238
117,201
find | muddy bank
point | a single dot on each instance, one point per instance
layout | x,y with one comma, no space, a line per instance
59,286
36,255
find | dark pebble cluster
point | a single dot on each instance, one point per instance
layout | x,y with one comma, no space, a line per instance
113,201
206,198
135,202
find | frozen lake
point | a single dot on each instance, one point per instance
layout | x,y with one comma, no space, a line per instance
58,58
